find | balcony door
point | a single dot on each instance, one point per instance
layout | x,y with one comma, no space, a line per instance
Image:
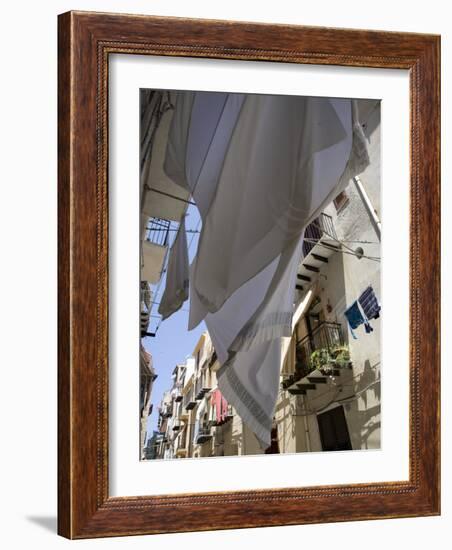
314,319
334,431
274,445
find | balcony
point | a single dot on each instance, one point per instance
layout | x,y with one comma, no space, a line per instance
320,242
229,414
189,401
176,392
325,336
320,228
213,358
157,231
167,411
177,425
154,249
204,435
201,388
225,418
178,397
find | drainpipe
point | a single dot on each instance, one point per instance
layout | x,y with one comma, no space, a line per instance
374,219
306,426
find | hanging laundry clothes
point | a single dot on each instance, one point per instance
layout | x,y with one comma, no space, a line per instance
303,144
215,405
369,303
153,104
236,312
176,289
311,147
199,420
153,176
145,317
224,409
356,317
200,132
250,382
146,294
273,317
219,406
145,310
249,379
247,334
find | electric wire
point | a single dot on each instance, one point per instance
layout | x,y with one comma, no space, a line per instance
342,243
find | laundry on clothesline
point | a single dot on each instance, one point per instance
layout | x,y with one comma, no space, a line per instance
363,309
369,303
176,289
244,273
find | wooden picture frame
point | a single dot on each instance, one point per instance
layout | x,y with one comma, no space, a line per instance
85,42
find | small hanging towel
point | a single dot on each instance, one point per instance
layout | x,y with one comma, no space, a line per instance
369,303
176,289
356,317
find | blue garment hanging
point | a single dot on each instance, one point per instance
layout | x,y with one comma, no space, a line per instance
369,303
356,317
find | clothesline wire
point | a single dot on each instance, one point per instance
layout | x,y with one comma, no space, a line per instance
373,258
177,229
332,236
196,230
325,232
342,243
307,239
170,195
158,303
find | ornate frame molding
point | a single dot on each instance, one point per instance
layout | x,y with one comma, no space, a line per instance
85,42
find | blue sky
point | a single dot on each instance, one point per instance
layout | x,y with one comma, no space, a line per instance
173,342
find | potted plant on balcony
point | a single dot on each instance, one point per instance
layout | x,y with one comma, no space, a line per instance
326,360
287,382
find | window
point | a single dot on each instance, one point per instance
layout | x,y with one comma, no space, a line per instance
341,201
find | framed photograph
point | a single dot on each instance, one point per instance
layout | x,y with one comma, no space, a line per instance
248,275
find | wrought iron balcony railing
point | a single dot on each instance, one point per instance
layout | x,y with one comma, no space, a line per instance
177,425
325,336
203,435
201,387
157,231
166,411
321,226
224,418
178,395
182,443
189,401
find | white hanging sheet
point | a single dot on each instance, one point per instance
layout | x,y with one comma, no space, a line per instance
280,163
287,156
177,275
